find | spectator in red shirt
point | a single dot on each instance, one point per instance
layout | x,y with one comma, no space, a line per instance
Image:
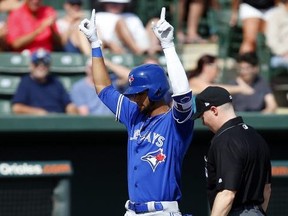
32,26
6,6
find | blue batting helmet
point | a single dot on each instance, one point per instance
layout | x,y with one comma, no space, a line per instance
150,77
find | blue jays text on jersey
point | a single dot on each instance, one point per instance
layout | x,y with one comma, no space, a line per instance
156,145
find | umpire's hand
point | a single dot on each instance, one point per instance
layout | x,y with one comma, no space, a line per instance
164,31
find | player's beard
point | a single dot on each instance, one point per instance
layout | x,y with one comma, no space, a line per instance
148,109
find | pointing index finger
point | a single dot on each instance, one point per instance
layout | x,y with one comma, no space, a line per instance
92,20
163,13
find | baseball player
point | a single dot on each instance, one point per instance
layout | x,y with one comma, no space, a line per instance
158,134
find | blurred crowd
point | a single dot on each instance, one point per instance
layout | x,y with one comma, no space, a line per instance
37,28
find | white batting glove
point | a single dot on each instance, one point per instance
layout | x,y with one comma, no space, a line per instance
164,31
88,27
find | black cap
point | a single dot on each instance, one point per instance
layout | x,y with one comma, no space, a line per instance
211,96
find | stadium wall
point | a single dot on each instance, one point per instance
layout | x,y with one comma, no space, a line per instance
96,148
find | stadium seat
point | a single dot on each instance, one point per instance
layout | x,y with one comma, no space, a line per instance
150,9
58,5
129,60
61,13
264,55
69,80
230,38
3,16
279,84
8,84
67,63
5,106
14,63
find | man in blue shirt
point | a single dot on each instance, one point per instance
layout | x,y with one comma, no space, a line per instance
84,96
39,92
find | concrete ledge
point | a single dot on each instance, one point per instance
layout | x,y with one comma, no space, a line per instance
67,123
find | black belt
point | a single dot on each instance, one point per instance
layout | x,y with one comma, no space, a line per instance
143,207
248,207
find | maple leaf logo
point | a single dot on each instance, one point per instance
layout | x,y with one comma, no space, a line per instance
154,158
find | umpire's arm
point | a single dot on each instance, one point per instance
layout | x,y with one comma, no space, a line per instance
223,203
266,193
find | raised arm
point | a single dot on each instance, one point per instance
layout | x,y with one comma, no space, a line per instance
100,74
177,75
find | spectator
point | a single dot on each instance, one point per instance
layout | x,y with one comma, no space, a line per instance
84,96
32,26
6,6
277,35
122,31
190,14
3,33
39,92
71,38
262,100
206,74
195,10
253,15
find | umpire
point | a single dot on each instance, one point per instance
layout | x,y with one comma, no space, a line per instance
238,167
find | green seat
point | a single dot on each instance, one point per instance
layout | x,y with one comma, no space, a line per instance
69,80
3,16
59,4
264,55
15,63
67,63
5,106
230,38
61,13
150,9
128,59
279,85
8,84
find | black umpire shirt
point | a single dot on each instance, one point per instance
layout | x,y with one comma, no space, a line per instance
238,160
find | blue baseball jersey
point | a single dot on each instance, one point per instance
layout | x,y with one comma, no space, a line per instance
156,145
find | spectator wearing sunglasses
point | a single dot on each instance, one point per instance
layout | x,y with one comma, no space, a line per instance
39,92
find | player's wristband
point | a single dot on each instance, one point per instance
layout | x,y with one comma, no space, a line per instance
97,52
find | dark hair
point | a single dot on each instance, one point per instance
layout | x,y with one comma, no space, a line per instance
248,57
204,59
